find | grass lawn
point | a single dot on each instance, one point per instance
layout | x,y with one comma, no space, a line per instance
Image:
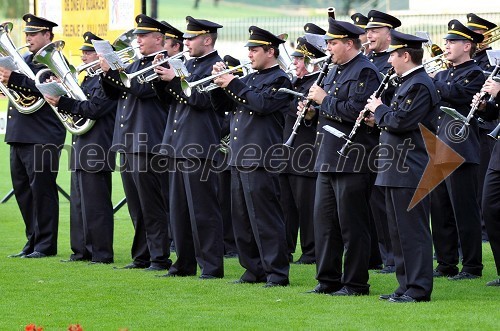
54,294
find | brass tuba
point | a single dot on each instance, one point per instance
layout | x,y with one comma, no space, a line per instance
51,55
25,104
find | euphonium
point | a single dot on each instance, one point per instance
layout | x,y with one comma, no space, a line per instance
284,59
51,55
25,104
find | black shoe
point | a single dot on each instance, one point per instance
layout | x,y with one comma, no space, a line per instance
34,255
324,289
155,268
402,299
132,266
20,254
495,282
204,276
464,275
72,259
388,296
304,261
376,267
276,284
389,269
438,273
230,255
166,275
347,291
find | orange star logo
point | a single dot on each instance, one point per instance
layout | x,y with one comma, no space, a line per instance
435,172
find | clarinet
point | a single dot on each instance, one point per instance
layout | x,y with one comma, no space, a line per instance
319,81
475,106
366,113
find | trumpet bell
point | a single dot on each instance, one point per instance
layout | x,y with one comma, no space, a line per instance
51,56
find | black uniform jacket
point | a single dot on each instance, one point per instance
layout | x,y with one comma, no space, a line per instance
402,149
348,91
193,128
91,150
140,116
457,86
257,117
302,158
40,127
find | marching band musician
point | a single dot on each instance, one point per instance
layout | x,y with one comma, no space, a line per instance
480,25
255,158
378,31
174,44
298,179
454,208
343,187
190,142
91,209
414,102
139,126
35,140
230,249
361,21
491,188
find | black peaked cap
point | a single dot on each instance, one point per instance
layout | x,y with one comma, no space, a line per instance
196,27
171,32
37,24
87,41
475,22
314,29
341,29
401,40
360,20
377,19
304,48
146,24
458,31
261,37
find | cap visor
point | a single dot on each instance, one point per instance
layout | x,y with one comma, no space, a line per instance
141,31
452,36
87,48
297,54
30,30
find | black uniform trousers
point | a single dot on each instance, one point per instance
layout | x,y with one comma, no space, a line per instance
259,227
225,205
487,145
381,242
455,216
34,169
91,216
412,242
196,220
341,229
491,212
297,200
144,178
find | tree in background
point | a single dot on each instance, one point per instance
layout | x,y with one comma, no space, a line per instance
14,8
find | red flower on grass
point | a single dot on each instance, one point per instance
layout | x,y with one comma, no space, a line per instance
75,327
32,327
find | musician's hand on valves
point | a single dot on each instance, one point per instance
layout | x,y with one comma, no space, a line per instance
477,99
310,112
103,64
218,67
492,87
158,58
4,75
316,94
166,74
52,100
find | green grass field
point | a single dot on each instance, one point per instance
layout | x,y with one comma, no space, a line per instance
54,294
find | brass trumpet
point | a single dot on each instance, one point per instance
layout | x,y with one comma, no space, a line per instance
124,50
187,87
311,63
127,78
490,37
439,63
